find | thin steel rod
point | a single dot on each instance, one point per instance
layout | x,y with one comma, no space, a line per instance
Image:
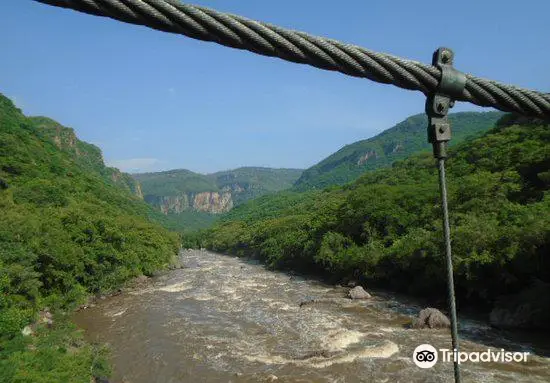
448,256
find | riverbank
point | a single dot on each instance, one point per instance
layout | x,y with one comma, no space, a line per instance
520,311
52,349
70,227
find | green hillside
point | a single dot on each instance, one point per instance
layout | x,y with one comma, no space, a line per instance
85,155
396,143
385,228
69,227
255,181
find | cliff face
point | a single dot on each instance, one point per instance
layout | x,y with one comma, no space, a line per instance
207,202
213,202
368,155
179,191
138,192
170,204
124,181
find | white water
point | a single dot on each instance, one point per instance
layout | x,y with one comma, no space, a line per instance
225,320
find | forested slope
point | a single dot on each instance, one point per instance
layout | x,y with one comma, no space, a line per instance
69,227
396,143
385,228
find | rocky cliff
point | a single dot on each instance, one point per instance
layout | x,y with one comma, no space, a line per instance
181,191
207,202
213,202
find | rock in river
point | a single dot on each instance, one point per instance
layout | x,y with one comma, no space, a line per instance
358,293
431,318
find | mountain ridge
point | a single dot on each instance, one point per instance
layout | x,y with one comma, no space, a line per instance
189,197
403,139
86,155
216,172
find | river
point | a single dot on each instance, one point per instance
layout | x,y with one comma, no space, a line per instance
225,319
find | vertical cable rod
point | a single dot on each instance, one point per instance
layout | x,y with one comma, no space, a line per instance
449,261
438,104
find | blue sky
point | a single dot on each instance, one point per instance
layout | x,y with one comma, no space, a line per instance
153,101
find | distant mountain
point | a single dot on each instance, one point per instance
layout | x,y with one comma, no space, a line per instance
192,198
405,138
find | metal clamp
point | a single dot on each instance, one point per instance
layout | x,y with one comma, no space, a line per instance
438,104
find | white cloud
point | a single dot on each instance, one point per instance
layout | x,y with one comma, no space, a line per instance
137,165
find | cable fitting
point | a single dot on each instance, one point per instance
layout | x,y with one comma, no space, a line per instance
438,104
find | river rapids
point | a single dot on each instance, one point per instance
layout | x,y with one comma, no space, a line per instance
225,319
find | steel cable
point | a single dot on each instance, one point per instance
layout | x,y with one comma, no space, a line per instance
270,40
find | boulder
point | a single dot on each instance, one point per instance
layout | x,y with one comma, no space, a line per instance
358,292
431,318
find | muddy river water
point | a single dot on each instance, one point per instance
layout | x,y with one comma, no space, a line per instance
224,319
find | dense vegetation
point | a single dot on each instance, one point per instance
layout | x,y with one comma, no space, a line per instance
385,228
188,222
70,227
87,156
396,143
255,181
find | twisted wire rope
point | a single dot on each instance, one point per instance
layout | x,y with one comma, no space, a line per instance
299,47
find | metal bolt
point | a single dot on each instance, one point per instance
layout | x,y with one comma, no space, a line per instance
445,57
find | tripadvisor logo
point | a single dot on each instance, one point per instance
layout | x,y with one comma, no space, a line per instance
426,356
